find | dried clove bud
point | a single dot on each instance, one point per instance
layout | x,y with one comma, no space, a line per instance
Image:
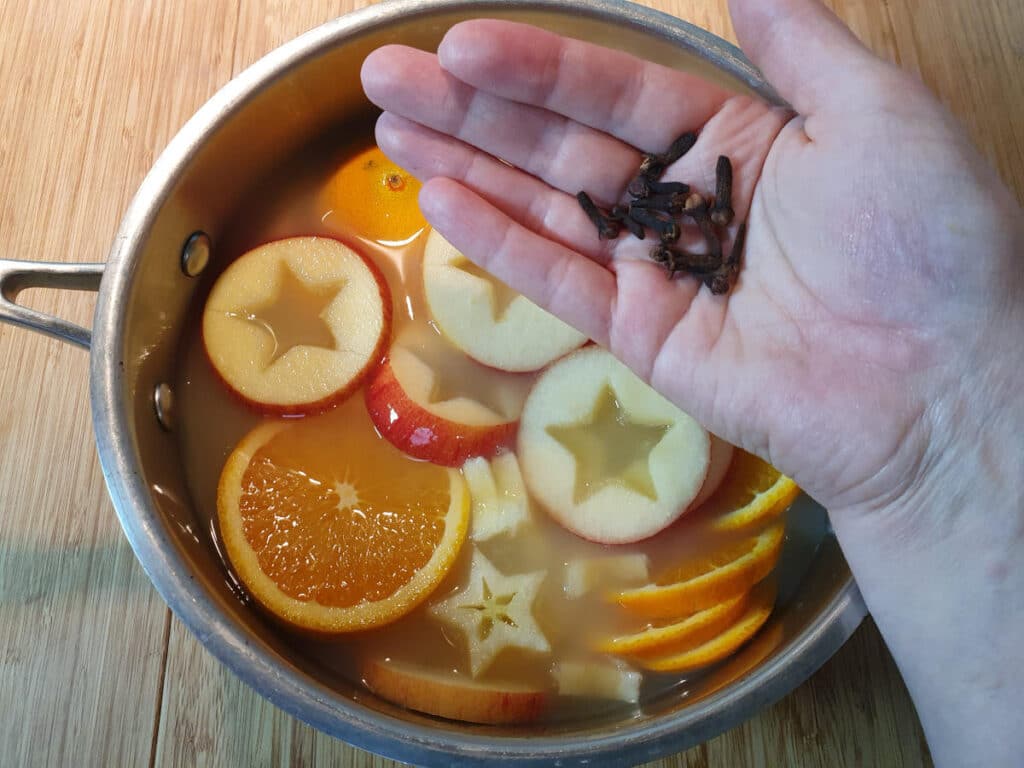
664,203
721,281
666,229
642,187
679,147
607,229
722,213
620,214
652,165
696,208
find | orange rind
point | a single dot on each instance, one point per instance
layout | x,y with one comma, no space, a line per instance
759,608
691,631
753,493
705,582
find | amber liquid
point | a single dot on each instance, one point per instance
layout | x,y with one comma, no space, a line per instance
212,423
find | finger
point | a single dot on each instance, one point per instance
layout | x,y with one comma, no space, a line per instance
552,214
562,281
565,154
643,104
805,51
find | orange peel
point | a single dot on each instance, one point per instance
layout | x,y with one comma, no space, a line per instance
705,582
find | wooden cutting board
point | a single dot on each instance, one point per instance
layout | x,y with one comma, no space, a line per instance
93,668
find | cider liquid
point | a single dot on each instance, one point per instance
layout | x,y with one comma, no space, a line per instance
212,422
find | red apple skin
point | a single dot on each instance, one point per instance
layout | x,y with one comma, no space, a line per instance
339,396
425,691
423,435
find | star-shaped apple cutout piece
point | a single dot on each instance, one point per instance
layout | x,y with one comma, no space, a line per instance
494,612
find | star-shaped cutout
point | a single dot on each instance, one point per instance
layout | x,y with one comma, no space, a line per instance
610,449
495,612
294,317
501,295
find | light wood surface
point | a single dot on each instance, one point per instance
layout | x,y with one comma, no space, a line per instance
93,668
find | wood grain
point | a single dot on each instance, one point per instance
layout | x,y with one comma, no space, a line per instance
91,664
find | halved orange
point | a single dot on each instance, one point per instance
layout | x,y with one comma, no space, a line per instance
677,636
762,600
704,582
331,528
375,198
752,493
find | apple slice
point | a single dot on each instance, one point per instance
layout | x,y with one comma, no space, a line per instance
599,681
452,696
607,456
485,318
435,404
294,326
721,460
500,503
584,574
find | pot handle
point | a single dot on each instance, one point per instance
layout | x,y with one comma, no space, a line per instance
16,276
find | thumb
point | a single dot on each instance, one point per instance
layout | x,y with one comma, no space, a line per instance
805,51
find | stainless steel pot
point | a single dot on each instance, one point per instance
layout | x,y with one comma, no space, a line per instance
254,123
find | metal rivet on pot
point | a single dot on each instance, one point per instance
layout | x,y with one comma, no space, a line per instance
163,402
196,254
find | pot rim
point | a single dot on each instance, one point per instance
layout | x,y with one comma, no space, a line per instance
255,663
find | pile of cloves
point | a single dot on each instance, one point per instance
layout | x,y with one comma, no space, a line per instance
663,207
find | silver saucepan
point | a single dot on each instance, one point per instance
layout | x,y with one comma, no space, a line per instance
167,238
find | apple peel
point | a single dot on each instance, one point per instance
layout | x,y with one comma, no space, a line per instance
453,697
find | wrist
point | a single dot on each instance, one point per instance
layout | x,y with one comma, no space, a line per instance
940,568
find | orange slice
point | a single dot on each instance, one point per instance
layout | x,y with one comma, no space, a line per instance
705,582
375,198
332,529
752,493
762,600
678,636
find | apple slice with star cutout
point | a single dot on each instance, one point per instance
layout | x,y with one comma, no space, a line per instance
433,403
607,456
485,318
294,326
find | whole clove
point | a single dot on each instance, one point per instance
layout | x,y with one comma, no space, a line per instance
643,186
678,260
607,229
665,203
721,281
665,228
663,206
722,213
680,147
696,208
653,164
620,214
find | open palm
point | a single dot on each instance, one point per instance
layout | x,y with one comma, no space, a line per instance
824,357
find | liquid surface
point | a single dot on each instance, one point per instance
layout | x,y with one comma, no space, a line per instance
212,423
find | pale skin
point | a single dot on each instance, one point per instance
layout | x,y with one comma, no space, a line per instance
873,346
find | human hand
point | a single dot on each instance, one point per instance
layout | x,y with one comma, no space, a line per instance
877,248
871,346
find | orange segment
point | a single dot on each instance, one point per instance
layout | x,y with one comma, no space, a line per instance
375,197
331,528
762,599
678,636
752,493
702,583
